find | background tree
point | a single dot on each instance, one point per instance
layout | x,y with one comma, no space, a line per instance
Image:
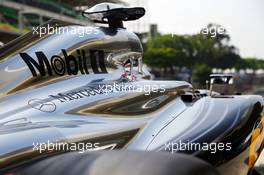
200,52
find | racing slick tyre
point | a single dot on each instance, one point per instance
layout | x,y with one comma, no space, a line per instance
120,163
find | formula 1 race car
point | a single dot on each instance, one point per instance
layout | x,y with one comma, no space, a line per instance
79,89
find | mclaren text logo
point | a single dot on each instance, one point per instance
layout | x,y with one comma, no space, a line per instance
42,105
66,64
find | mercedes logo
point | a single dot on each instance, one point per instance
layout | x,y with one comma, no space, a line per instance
42,105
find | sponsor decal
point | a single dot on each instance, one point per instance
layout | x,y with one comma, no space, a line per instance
88,91
42,105
66,64
75,95
48,106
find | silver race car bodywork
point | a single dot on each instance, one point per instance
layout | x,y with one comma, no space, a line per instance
67,88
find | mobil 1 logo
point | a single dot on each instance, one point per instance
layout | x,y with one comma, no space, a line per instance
66,64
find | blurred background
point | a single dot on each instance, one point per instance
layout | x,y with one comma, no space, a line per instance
183,40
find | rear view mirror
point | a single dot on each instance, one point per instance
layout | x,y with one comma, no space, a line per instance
222,83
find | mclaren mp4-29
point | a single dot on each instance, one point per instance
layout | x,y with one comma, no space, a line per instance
72,96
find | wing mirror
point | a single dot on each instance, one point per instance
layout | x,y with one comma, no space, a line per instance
222,83
113,14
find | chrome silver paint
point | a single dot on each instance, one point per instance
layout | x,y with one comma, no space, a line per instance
31,109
